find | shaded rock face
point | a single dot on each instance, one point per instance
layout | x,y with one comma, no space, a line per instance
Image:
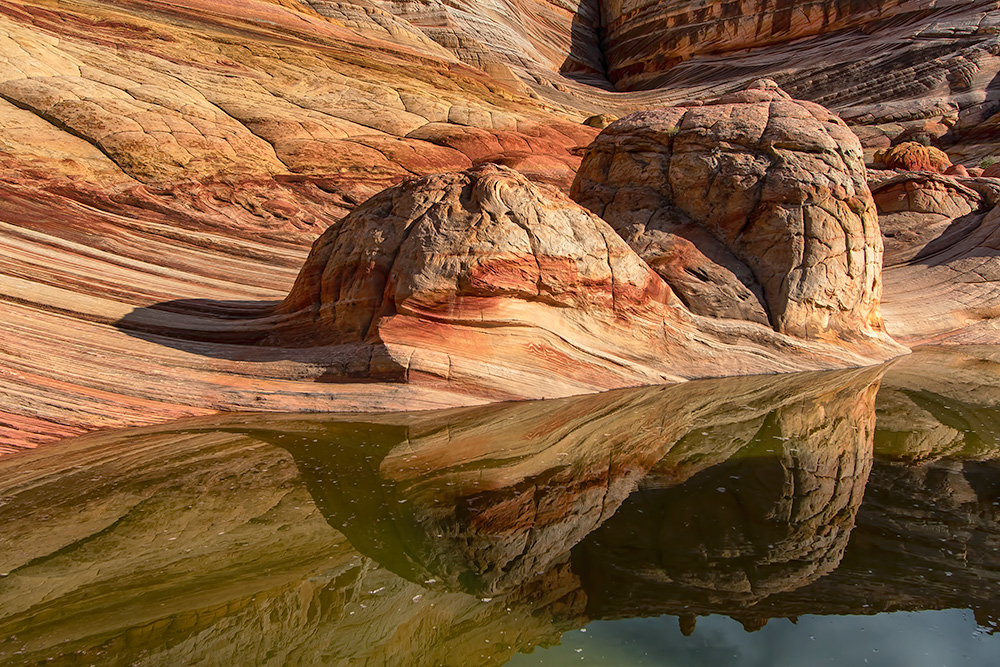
941,269
921,213
752,206
644,38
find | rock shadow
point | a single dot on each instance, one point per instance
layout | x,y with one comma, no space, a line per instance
240,331
585,62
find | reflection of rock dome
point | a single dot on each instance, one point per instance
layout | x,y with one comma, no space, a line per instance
741,531
505,492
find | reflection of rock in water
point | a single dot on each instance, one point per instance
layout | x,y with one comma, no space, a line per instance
205,546
497,495
941,402
772,518
927,537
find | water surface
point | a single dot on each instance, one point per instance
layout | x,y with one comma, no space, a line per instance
838,518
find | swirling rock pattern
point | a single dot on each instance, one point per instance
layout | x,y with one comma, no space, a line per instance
166,166
644,38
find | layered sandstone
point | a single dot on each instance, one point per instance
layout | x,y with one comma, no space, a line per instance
481,282
167,165
645,39
942,268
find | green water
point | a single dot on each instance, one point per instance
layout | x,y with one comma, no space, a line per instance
842,518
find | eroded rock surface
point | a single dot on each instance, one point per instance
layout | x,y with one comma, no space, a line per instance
482,282
753,206
166,167
942,264
645,39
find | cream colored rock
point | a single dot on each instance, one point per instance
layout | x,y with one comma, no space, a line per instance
482,283
778,185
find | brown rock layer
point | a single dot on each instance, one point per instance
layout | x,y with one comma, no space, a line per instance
644,38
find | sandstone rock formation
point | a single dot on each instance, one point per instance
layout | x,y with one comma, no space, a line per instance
752,206
912,156
941,264
481,282
166,166
645,39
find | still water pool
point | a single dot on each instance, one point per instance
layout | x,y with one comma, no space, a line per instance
842,518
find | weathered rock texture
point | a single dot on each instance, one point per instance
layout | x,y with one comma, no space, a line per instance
912,156
942,266
644,38
166,165
483,283
752,206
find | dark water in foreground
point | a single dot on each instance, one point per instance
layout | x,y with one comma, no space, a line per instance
843,518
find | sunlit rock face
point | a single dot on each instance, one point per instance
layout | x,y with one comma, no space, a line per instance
483,283
751,206
166,167
519,35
